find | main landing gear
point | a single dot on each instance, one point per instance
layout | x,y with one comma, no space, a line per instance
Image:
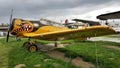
32,47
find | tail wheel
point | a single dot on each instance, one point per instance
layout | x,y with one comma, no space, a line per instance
26,44
32,48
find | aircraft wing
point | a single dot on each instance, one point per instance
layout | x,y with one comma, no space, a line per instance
72,33
87,21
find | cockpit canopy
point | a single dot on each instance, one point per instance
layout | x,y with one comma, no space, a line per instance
50,22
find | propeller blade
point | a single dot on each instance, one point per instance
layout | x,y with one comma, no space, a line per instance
7,36
9,26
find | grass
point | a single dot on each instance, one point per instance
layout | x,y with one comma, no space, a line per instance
107,58
3,56
12,54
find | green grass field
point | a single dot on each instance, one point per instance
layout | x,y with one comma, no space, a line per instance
12,54
107,58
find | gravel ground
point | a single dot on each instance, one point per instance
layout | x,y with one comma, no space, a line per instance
105,39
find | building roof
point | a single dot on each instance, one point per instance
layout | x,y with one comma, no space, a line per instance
113,15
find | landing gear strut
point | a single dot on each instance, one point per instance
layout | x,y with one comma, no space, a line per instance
56,44
26,44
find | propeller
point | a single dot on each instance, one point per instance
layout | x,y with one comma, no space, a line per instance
9,26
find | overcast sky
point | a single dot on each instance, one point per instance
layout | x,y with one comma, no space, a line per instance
57,10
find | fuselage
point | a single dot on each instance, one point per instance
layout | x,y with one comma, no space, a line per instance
20,26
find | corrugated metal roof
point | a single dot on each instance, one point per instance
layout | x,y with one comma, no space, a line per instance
113,15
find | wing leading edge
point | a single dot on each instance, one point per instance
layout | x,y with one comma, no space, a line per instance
72,33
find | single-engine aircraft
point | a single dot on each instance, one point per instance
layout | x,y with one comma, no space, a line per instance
44,30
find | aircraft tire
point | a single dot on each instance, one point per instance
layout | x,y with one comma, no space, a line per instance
26,44
32,48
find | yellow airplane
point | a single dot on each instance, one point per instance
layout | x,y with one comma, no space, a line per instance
44,30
